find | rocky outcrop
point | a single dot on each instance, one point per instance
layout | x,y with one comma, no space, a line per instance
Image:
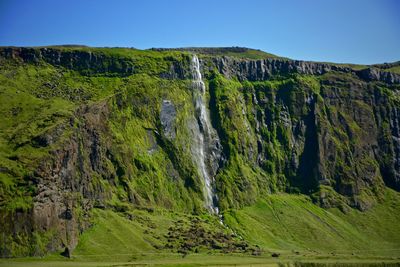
66,187
66,190
86,62
260,70
373,74
167,118
341,133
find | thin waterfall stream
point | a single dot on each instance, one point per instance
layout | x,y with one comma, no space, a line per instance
206,147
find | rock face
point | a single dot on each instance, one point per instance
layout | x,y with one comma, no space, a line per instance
167,118
261,126
83,61
65,189
328,132
259,70
89,62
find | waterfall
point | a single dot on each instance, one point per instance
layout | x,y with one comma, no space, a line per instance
206,148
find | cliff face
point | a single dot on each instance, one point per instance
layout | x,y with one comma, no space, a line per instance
316,126
259,70
113,129
88,62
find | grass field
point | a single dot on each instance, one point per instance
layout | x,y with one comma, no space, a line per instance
204,260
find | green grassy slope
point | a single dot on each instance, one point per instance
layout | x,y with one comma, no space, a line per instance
290,225
286,224
281,223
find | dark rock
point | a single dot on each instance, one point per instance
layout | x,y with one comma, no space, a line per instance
49,137
99,205
66,253
66,215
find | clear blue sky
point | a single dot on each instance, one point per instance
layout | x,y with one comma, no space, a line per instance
358,31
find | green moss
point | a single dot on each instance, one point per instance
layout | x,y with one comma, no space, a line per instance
155,172
237,183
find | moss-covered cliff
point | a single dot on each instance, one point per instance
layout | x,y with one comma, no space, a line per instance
84,129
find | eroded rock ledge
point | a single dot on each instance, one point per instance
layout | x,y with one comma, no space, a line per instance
259,70
243,69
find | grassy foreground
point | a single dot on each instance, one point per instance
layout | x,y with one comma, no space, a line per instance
292,227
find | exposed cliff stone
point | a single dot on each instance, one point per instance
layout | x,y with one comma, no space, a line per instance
373,74
259,70
167,117
66,187
179,69
254,70
342,133
89,62
86,62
